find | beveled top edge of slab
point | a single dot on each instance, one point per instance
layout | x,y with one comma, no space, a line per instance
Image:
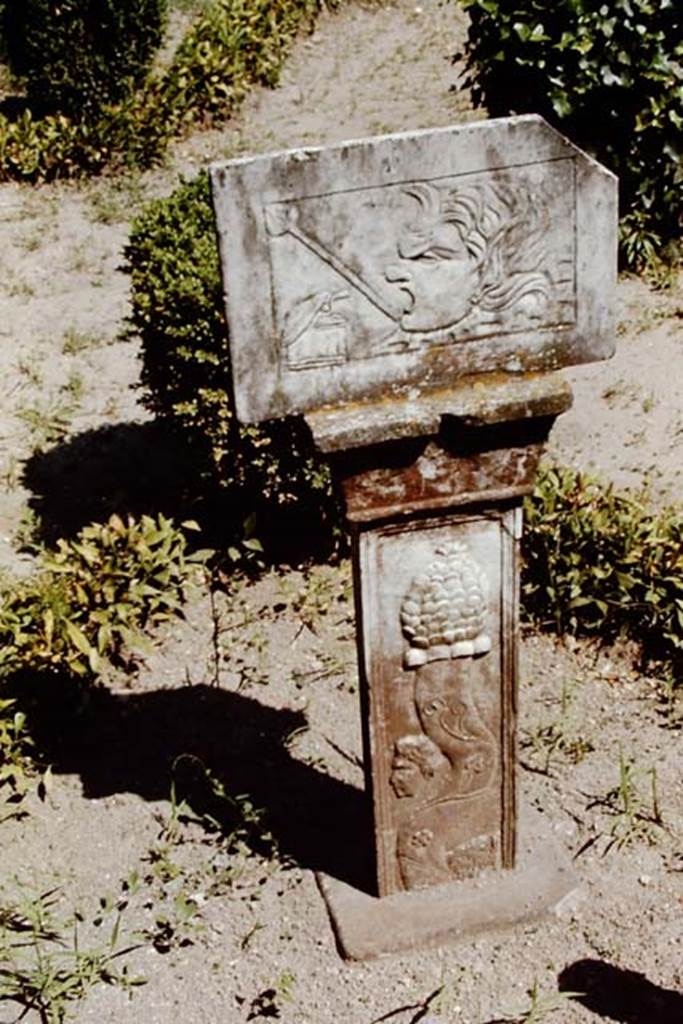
473,402
475,127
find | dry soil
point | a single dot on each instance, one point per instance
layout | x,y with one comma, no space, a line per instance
260,687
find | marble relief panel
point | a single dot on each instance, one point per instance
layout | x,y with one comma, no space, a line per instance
402,264
366,272
438,642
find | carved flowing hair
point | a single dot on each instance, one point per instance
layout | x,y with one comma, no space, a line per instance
420,751
501,231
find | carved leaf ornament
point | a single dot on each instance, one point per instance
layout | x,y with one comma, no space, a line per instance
443,615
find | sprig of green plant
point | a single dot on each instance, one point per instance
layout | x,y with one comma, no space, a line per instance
75,341
635,816
541,1005
240,824
94,597
16,747
48,422
43,964
557,738
176,927
199,797
269,1002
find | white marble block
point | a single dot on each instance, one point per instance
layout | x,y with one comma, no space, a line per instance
397,265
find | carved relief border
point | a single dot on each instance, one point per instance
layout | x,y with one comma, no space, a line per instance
470,260
382,671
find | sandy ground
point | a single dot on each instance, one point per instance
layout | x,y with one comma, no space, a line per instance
261,687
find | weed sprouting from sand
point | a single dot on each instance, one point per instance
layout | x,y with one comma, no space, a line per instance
44,965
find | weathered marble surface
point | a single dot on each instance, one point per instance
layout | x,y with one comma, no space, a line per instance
473,402
543,882
413,295
396,265
436,521
438,607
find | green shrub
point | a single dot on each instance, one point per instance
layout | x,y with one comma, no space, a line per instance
596,562
231,45
609,73
133,133
93,597
177,309
78,55
176,289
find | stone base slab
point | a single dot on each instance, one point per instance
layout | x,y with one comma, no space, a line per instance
366,926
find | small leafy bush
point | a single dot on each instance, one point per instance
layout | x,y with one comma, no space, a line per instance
177,309
596,562
610,74
172,260
78,55
93,597
232,45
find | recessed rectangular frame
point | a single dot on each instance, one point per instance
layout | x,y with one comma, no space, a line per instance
386,559
313,243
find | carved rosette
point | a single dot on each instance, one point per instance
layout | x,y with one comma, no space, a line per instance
443,615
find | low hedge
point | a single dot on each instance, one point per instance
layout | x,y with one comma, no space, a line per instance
75,56
608,73
231,46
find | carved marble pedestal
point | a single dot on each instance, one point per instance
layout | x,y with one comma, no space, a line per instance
437,615
436,523
412,296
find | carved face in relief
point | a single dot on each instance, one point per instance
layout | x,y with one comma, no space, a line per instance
406,777
458,254
416,760
439,270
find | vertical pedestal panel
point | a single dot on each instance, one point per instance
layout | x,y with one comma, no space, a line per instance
437,615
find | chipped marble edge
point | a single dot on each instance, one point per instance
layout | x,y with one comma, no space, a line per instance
485,401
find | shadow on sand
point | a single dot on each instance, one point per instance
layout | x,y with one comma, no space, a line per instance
128,743
620,995
148,468
127,468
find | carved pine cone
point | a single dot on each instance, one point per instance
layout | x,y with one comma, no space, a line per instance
444,612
